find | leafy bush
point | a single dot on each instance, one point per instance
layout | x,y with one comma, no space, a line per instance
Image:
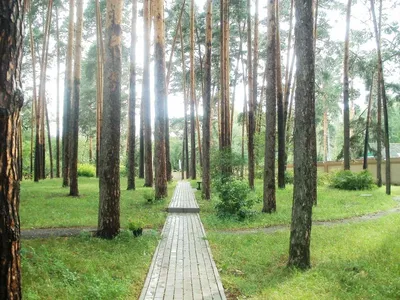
236,199
86,170
325,178
289,177
149,195
347,180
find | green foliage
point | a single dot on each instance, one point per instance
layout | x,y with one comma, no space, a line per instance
333,204
289,177
86,170
235,197
135,225
149,195
347,180
324,179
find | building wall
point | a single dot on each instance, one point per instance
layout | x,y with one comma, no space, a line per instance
357,166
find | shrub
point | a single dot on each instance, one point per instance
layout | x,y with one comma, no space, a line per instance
289,177
149,195
86,170
236,199
347,180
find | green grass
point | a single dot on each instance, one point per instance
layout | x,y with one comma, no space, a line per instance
332,204
353,261
47,204
86,268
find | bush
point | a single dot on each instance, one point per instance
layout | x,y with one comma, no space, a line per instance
289,177
347,180
86,170
236,199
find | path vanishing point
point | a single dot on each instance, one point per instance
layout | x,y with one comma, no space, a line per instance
182,265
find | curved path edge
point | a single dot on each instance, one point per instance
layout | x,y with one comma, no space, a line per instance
276,228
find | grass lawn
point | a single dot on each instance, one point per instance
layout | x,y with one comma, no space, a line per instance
332,204
47,204
85,267
357,261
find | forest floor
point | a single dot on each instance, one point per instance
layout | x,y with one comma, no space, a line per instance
40,233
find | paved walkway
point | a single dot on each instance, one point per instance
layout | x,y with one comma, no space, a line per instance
182,266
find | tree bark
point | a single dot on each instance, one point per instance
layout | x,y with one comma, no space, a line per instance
226,140
132,103
148,151
67,96
109,182
49,141
270,133
160,102
255,61
99,82
250,86
185,102
192,97
141,142
304,139
206,187
11,101
74,120
346,113
281,108
58,99
367,123
383,94
34,105
40,147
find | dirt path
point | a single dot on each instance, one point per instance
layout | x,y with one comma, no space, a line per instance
358,219
41,233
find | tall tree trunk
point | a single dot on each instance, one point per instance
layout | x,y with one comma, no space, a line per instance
255,61
90,149
270,133
109,182
304,139
58,99
250,86
236,73
383,94
132,102
11,100
160,102
141,142
34,103
225,145
244,119
49,141
185,102
74,127
99,82
148,151
206,177
367,123
346,112
192,97
178,26
167,143
280,104
287,73
67,95
40,151
325,135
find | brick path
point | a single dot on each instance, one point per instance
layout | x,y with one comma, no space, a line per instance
182,266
